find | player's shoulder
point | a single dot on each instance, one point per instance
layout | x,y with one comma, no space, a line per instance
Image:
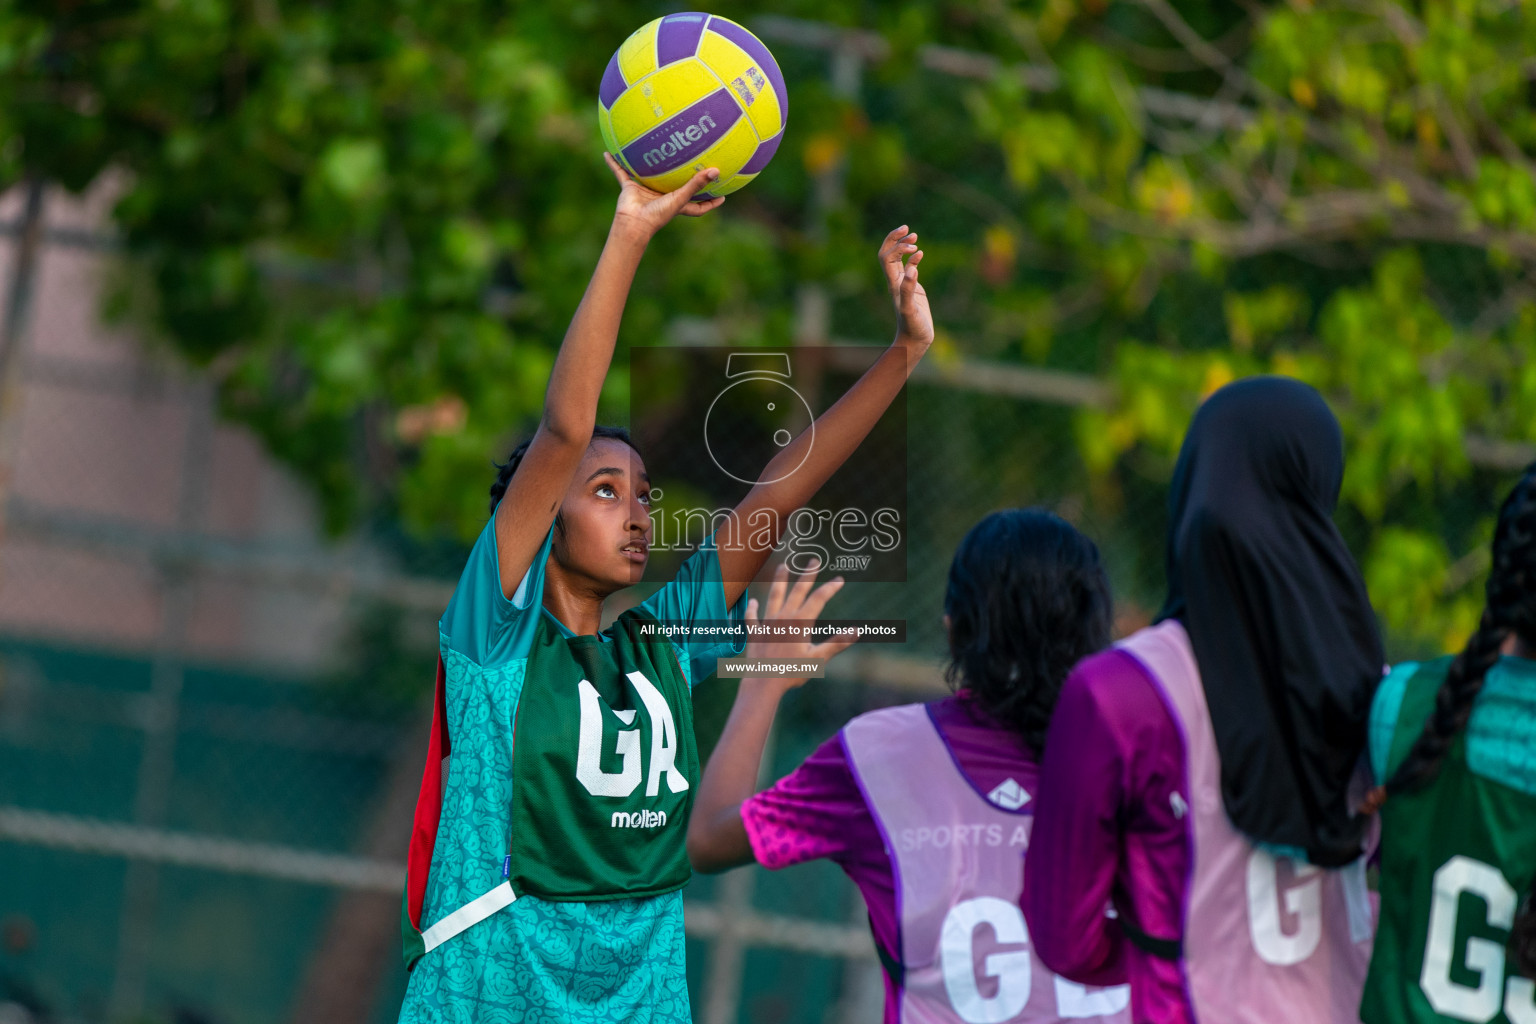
1409,685
1109,677
953,721
893,719
1502,730
1115,696
1423,673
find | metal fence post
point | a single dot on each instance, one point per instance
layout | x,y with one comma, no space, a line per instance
157,765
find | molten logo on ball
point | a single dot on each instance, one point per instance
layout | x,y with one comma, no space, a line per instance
679,141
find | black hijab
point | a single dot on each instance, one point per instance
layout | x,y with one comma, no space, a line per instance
1276,610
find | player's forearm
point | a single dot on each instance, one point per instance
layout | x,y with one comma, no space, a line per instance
717,839
570,403
1071,935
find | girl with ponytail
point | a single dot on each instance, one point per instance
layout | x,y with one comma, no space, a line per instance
1455,740
927,807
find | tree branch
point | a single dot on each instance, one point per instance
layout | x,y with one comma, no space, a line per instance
1207,52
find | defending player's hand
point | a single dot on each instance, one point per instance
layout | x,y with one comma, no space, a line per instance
648,211
801,604
914,321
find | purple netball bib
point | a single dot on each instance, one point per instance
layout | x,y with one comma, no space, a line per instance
958,860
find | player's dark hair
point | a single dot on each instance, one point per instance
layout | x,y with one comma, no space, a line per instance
1027,599
1510,609
504,470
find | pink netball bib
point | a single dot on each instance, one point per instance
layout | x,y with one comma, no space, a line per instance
958,860
1267,939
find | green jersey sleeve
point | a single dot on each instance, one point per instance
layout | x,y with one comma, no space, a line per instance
1385,708
481,623
696,596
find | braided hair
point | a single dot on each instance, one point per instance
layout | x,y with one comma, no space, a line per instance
1510,610
504,470
1027,599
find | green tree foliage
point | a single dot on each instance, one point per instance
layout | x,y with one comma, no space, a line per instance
1341,192
372,219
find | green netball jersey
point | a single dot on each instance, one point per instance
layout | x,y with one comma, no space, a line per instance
571,774
1457,856
604,765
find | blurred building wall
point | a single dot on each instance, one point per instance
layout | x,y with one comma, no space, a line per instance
116,458
164,592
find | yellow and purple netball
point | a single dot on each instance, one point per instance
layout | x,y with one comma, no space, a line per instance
691,91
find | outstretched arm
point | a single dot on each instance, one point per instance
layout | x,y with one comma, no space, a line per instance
570,403
717,840
839,430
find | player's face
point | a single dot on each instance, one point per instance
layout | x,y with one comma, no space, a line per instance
607,536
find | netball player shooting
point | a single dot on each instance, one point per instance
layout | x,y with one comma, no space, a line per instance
546,860
928,807
1455,740
1198,775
